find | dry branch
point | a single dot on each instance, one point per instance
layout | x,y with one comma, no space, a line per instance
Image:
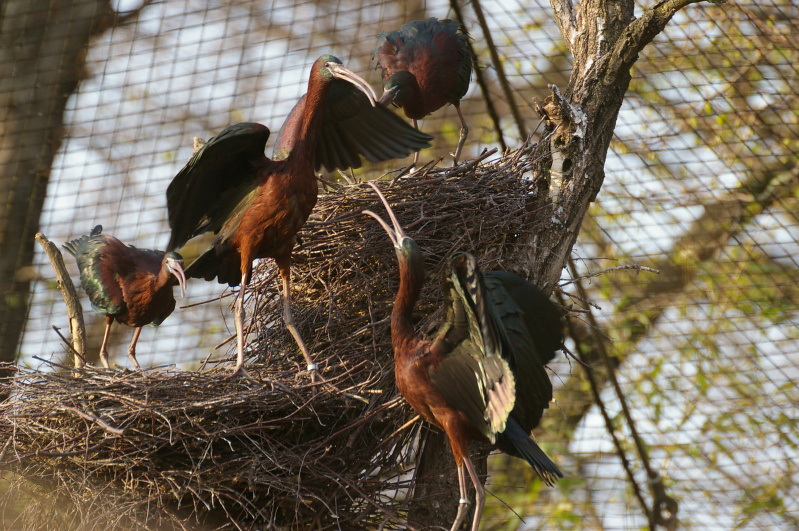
77,328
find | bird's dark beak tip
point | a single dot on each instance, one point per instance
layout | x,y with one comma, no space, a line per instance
387,98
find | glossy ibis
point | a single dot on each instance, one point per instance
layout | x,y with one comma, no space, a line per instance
482,377
426,65
133,286
255,206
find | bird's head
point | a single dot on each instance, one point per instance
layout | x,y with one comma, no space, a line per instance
398,88
174,264
329,67
406,247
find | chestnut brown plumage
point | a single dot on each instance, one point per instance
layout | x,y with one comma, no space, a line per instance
255,205
132,286
482,377
426,65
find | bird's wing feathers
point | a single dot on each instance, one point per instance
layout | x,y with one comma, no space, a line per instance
97,276
74,246
214,181
426,48
536,313
352,128
388,45
531,334
210,258
464,62
473,376
483,390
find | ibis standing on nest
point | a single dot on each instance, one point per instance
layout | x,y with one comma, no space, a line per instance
133,286
482,378
425,65
255,205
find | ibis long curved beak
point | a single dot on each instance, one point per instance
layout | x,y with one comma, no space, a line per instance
341,72
181,276
388,96
175,267
396,234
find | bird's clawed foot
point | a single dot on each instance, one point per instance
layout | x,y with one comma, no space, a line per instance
456,156
132,356
464,132
241,373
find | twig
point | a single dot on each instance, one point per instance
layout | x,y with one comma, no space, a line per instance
503,80
481,81
636,267
100,422
68,344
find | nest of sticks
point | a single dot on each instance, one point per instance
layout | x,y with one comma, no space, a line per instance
156,449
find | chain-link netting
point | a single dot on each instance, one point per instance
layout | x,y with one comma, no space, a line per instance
701,183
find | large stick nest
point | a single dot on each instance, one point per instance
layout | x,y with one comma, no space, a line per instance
168,449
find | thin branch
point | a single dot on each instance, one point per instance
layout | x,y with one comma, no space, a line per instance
595,391
503,80
100,422
638,34
481,81
664,507
636,267
68,344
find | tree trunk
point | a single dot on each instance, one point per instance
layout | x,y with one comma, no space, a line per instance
42,52
43,49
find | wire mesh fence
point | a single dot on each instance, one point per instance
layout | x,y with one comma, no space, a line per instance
701,184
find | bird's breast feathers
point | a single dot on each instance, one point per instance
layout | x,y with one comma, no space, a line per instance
270,224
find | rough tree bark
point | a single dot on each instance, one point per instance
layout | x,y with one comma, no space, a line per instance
42,57
605,39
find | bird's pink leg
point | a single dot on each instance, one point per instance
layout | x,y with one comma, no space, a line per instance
463,503
288,318
415,155
104,346
132,348
464,133
479,495
239,314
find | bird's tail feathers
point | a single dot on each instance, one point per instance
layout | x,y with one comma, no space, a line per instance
532,453
72,246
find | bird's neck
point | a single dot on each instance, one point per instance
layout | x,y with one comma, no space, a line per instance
304,150
411,281
414,103
164,278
